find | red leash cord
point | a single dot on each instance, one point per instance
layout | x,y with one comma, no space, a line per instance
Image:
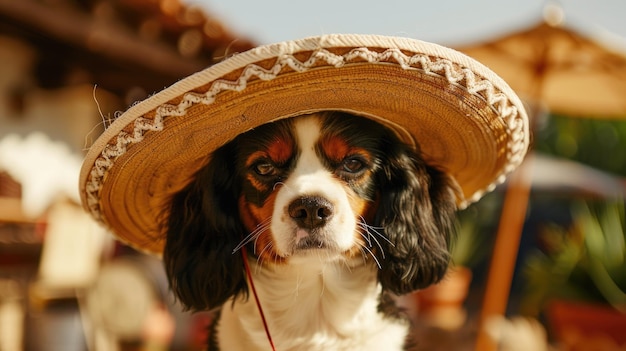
256,298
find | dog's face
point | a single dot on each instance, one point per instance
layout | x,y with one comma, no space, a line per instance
329,183
308,186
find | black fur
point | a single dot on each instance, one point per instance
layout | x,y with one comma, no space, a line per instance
416,210
202,231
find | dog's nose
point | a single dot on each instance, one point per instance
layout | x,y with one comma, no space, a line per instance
311,211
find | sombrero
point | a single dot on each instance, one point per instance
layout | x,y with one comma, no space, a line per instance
466,120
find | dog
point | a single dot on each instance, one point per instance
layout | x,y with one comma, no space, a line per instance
335,216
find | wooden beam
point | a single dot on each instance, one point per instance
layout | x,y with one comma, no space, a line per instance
103,38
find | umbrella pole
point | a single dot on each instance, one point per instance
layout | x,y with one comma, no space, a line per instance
505,252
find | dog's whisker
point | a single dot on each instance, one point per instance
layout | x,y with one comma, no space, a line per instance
368,237
363,231
267,247
254,235
380,235
373,230
244,242
367,233
256,240
373,256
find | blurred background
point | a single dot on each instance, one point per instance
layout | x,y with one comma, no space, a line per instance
540,263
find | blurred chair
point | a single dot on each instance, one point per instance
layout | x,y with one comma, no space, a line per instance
71,254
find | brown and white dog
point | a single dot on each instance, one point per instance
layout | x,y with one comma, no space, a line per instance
334,212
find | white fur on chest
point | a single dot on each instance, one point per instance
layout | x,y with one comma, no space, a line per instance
311,306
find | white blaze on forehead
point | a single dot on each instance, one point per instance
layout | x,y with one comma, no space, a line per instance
308,129
311,178
309,164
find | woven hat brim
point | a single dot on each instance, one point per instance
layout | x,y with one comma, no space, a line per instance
466,120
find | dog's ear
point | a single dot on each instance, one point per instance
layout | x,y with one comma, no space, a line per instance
416,211
202,229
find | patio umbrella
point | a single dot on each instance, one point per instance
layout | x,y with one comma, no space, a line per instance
555,69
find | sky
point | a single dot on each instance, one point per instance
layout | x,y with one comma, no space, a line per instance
446,22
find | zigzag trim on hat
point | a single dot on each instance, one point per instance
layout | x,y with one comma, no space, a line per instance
459,76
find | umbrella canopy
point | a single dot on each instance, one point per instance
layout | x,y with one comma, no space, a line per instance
565,71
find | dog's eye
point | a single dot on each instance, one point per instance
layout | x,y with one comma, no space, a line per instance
353,165
264,168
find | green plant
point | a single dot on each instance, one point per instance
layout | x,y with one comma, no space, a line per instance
598,142
605,261
586,261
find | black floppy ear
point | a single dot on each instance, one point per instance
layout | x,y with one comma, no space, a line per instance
416,211
203,228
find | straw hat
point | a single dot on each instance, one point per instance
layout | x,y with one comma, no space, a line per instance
467,120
